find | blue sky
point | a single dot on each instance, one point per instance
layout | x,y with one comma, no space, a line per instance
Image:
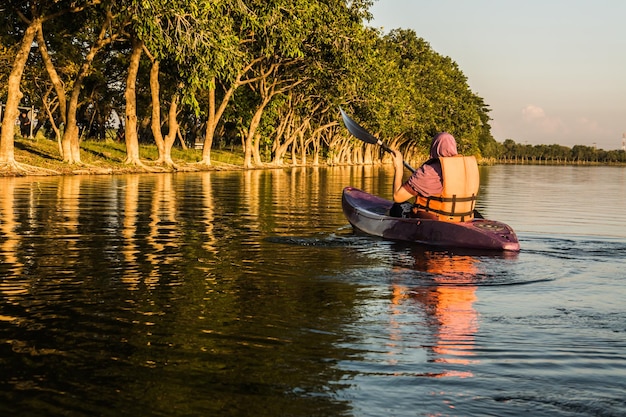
552,71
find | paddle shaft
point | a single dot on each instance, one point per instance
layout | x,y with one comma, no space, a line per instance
388,149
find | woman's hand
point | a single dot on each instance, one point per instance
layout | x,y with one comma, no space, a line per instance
398,160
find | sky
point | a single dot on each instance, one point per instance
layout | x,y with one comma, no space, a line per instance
552,71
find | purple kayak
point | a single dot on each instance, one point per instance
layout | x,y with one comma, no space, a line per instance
369,214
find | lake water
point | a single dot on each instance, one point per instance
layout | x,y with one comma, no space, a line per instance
247,294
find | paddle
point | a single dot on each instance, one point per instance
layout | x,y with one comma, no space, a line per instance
358,132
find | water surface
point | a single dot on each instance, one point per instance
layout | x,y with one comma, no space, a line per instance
247,293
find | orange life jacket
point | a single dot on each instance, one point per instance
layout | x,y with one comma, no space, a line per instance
460,188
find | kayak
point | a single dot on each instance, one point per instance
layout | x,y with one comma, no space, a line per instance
368,213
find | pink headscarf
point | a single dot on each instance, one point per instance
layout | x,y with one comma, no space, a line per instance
443,145
426,180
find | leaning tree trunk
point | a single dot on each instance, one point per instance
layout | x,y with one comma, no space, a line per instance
256,150
215,113
294,153
69,142
251,150
281,150
303,147
165,150
210,128
155,120
14,95
57,83
278,148
130,94
71,146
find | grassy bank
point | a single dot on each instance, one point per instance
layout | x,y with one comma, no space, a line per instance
40,156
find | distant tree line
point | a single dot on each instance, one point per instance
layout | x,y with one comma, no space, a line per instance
510,151
263,76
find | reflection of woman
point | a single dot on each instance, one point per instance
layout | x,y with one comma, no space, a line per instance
453,308
449,302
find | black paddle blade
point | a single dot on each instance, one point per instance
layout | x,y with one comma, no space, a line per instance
356,130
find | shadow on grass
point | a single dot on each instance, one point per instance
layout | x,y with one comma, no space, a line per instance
34,150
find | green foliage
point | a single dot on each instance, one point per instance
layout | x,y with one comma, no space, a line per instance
410,93
322,54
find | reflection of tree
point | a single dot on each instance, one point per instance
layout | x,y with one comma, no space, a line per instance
448,302
161,286
43,209
130,249
68,210
163,230
9,242
251,191
207,216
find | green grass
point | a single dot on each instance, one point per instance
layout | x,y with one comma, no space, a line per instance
109,155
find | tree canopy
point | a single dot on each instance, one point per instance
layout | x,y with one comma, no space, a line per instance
267,76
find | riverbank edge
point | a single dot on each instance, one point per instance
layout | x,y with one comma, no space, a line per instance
40,157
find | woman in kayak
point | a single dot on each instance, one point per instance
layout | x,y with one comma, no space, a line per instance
427,180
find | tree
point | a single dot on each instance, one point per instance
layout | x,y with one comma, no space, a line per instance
301,42
298,61
130,96
23,25
76,58
410,93
194,38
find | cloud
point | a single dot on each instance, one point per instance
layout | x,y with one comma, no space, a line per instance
541,122
538,126
531,113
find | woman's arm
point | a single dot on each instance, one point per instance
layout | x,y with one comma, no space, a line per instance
400,194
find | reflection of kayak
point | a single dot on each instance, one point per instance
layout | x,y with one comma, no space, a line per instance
369,214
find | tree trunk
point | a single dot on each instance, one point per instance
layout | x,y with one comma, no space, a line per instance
250,149
49,108
302,147
256,150
294,156
181,139
54,76
281,150
130,129
155,120
166,156
316,149
283,130
216,114
14,95
71,146
210,127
